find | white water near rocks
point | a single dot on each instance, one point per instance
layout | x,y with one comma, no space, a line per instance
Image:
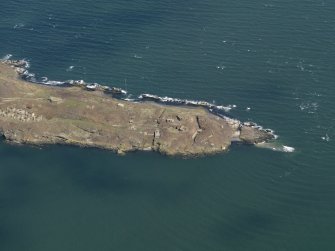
275,57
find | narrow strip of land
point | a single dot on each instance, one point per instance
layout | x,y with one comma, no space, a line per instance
38,114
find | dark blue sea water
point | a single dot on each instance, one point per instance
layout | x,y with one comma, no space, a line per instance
276,57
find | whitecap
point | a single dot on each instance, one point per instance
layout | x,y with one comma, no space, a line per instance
137,56
70,68
220,67
18,26
300,66
326,138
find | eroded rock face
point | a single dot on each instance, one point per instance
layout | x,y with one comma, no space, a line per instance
249,135
37,114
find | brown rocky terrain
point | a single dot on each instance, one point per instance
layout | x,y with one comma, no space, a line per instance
38,114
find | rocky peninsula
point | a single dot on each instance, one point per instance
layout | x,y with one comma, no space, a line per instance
88,115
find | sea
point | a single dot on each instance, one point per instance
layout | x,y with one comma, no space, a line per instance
273,59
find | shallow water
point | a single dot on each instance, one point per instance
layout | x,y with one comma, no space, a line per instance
273,57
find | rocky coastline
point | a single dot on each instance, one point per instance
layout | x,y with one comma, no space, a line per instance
95,115
22,68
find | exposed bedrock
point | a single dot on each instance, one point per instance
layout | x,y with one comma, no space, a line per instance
38,114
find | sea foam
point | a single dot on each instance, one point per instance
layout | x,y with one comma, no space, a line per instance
7,57
178,101
70,68
288,149
276,147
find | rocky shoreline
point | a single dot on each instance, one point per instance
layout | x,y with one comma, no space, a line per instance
89,116
22,68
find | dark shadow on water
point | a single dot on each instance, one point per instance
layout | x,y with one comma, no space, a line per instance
98,171
12,238
5,237
16,168
15,192
104,173
243,228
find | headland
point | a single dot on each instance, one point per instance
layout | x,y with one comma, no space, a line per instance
90,115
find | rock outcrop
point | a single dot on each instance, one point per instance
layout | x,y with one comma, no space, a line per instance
38,114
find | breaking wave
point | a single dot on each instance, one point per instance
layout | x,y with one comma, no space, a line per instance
51,82
22,67
276,147
18,26
177,101
7,57
70,68
326,138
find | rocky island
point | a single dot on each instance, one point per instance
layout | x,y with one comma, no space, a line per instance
33,113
